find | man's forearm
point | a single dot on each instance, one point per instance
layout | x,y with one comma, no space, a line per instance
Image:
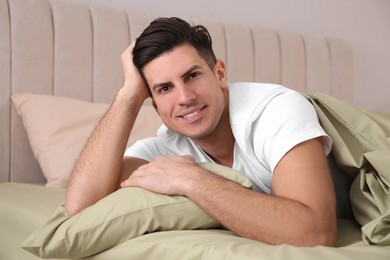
262,217
97,171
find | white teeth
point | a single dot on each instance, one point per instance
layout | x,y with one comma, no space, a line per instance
191,114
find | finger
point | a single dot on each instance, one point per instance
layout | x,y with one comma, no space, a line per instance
130,182
134,178
125,183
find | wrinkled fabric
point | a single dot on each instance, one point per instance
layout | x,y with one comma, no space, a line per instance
361,147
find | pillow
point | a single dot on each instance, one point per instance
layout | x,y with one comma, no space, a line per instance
122,215
58,128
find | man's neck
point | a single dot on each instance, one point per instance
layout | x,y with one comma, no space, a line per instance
220,144
221,151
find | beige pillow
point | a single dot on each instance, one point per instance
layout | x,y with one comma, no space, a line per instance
58,127
124,214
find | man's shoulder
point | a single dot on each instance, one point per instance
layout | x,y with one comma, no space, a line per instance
247,99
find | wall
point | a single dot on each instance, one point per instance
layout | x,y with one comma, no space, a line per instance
365,24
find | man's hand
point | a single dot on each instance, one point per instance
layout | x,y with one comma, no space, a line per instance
166,175
132,78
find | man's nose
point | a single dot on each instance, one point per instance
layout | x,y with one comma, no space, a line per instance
185,95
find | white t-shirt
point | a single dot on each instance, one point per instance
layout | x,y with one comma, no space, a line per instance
267,120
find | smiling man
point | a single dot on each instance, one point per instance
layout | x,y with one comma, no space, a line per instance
268,132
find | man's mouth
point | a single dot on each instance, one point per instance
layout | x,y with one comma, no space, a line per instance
191,114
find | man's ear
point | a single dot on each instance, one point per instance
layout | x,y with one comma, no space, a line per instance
220,72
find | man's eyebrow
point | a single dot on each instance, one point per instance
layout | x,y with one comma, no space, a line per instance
185,74
158,85
190,70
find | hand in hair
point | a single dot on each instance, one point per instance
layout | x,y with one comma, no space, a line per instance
132,78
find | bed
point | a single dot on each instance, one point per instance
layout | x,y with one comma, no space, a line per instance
59,71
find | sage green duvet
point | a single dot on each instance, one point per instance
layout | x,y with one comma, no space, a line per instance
23,207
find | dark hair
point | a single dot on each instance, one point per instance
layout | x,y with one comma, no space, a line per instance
164,34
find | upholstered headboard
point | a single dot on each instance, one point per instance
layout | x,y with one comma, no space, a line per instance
61,48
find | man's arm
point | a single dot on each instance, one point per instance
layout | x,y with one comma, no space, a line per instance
98,170
300,211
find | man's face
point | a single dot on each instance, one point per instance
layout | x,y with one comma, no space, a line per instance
187,94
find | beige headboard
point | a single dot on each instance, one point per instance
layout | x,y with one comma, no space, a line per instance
61,48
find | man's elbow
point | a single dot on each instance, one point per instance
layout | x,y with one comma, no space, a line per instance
72,208
73,205
325,236
317,231
328,238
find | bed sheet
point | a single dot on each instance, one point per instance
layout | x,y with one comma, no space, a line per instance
23,207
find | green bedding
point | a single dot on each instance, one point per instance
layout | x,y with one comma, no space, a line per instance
361,146
23,207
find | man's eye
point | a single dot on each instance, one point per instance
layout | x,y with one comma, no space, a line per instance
164,89
192,75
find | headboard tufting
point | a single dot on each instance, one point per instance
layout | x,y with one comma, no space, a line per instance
62,48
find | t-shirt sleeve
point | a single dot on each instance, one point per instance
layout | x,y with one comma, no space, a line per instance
288,119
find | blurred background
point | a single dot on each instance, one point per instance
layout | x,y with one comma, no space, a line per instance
365,24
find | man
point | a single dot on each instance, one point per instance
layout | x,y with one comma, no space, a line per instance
268,132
